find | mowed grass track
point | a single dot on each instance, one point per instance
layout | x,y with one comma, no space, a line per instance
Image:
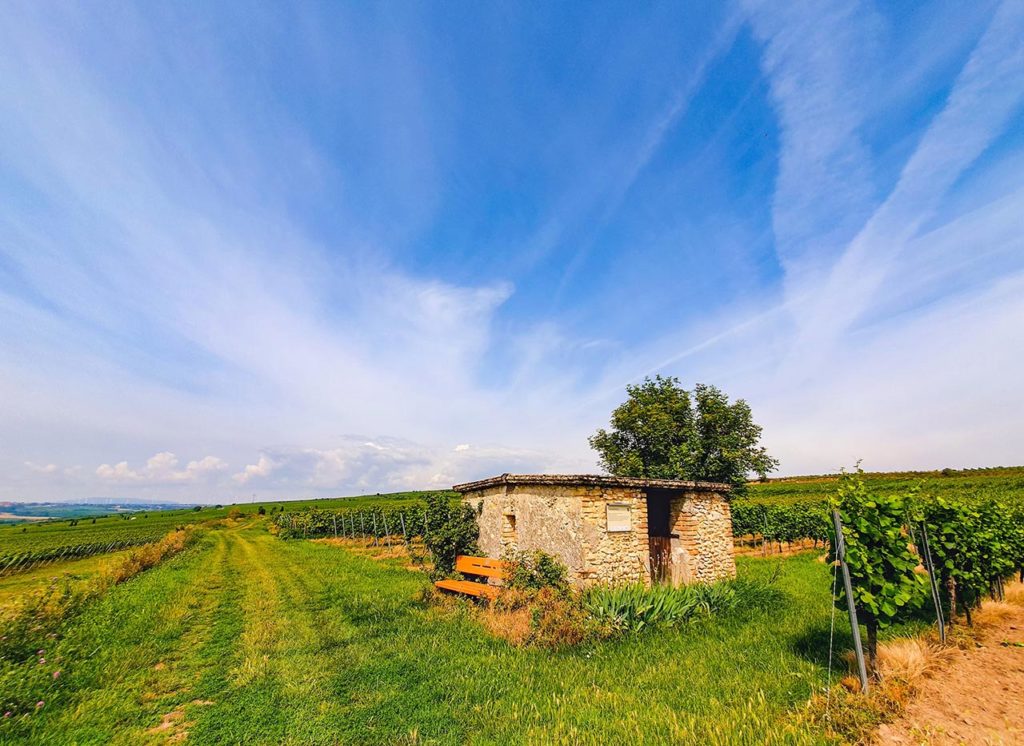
246,638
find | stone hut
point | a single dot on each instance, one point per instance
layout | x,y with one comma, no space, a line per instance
609,529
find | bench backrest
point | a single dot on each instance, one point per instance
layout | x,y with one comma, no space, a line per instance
490,568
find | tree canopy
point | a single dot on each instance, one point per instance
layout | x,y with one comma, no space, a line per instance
663,431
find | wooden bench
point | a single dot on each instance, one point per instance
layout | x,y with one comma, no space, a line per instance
483,567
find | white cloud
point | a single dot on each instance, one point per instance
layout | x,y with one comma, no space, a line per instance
161,469
261,468
461,447
356,465
204,466
119,472
41,468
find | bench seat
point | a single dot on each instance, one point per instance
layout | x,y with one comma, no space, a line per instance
481,567
468,587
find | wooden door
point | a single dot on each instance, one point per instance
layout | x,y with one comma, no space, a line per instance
661,558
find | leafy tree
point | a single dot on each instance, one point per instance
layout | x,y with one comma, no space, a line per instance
663,431
883,564
450,530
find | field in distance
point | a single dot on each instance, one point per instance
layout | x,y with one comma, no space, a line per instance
1006,482
141,526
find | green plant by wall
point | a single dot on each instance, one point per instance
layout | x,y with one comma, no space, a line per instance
535,570
450,530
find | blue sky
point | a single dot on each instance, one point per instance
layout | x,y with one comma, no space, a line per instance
322,249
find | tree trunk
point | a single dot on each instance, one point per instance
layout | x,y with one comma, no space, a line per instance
965,605
951,591
872,626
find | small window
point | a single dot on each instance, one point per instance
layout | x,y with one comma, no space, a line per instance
508,529
619,517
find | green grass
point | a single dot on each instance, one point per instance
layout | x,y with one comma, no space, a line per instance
299,642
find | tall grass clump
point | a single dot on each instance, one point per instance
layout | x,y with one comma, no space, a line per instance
635,608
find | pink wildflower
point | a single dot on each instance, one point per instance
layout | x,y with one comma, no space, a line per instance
56,674
39,704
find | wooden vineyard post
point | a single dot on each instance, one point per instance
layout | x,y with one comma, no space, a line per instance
387,531
764,531
929,565
335,519
405,536
362,525
374,516
850,606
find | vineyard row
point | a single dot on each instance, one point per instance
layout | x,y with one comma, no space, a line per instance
25,561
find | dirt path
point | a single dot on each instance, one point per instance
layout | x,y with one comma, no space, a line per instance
977,696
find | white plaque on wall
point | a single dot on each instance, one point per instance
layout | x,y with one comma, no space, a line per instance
619,518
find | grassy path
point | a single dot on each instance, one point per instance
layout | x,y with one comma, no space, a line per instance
249,639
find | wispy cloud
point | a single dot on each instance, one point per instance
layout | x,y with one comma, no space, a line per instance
816,55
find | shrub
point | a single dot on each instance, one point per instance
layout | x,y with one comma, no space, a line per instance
451,530
234,514
262,510
535,570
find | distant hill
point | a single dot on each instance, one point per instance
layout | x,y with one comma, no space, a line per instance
12,512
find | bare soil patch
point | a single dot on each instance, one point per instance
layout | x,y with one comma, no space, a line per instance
975,695
170,724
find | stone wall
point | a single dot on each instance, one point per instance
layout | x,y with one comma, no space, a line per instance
528,518
621,556
703,521
571,523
